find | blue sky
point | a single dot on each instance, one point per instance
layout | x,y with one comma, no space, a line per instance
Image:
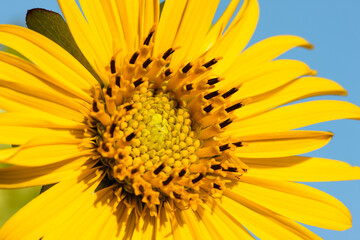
333,27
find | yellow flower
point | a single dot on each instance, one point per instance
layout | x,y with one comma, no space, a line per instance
180,132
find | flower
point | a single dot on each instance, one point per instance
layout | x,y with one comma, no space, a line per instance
174,131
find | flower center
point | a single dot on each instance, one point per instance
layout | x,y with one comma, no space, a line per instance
149,146
154,130
163,131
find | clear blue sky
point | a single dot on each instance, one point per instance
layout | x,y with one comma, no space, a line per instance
333,27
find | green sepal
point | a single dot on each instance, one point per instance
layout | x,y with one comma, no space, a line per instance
53,26
161,7
46,187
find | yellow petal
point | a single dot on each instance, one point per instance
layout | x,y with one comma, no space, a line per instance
149,15
163,225
181,229
125,222
31,93
194,223
34,75
19,177
40,120
146,227
18,135
52,208
100,216
221,225
280,144
260,221
216,31
49,57
111,227
113,20
129,14
44,150
268,49
296,201
169,23
85,221
88,41
300,88
302,169
97,21
236,36
20,102
42,96
296,116
193,27
266,78
35,90
14,68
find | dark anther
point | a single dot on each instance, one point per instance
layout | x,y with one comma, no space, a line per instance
129,107
130,137
141,189
95,107
133,58
112,66
148,198
120,156
211,95
159,169
109,91
224,147
112,129
245,170
148,38
168,53
105,148
178,196
230,92
208,108
119,170
147,62
168,72
238,144
225,123
217,186
189,87
233,107
198,178
230,169
168,180
210,63
117,81
182,173
135,170
138,82
216,167
213,81
186,68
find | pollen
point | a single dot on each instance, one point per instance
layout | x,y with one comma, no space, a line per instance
155,127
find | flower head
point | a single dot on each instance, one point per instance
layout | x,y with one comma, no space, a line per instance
166,127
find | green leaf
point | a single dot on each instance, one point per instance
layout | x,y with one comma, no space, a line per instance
53,26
